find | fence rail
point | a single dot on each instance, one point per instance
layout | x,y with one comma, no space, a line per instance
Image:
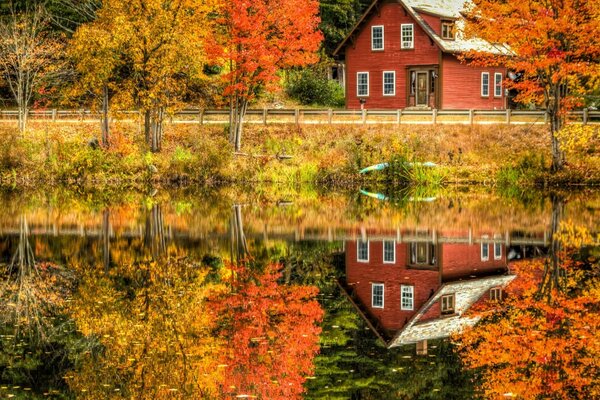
268,116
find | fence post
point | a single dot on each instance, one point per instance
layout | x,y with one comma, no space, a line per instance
330,115
398,116
545,116
297,116
434,116
508,115
364,116
201,116
264,116
54,115
585,115
81,114
471,116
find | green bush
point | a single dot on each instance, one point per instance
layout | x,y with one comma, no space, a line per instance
310,87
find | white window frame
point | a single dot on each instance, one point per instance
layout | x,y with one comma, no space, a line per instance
498,84
497,251
412,39
484,85
358,74
382,38
362,260
448,310
409,289
485,246
394,83
496,293
393,261
373,286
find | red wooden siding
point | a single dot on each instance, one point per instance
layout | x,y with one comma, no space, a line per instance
460,83
461,86
360,58
361,275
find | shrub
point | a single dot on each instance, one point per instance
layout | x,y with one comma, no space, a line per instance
310,87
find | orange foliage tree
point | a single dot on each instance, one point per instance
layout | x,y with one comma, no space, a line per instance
555,49
255,39
272,332
540,342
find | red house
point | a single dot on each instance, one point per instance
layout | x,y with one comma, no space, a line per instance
418,289
403,53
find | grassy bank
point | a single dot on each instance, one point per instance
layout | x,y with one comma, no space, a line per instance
513,156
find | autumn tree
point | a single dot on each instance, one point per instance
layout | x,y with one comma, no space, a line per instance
554,52
145,52
540,341
271,333
153,331
28,55
254,40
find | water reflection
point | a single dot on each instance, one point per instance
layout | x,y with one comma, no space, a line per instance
192,297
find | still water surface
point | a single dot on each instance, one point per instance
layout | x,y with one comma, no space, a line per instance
236,295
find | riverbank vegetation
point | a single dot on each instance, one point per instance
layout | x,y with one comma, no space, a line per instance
506,156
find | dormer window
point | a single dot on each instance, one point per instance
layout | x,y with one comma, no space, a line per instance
448,30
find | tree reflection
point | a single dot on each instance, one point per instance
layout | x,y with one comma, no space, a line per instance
154,232
541,342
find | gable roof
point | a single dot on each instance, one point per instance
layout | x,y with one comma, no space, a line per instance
466,294
443,8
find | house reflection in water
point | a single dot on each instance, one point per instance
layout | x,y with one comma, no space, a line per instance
414,287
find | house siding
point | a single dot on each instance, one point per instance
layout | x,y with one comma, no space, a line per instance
461,86
360,58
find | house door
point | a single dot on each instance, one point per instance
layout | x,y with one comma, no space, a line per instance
422,89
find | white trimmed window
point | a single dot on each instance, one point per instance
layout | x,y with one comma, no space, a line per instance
407,34
485,249
448,30
497,84
408,297
362,251
377,36
389,251
389,83
496,294
485,84
377,291
447,304
362,84
497,247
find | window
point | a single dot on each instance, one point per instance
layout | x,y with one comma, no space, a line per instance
377,37
498,84
485,84
422,253
408,297
448,30
389,83
389,251
377,290
362,251
485,249
448,304
497,247
362,84
496,294
408,36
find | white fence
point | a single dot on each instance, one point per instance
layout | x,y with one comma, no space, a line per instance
315,116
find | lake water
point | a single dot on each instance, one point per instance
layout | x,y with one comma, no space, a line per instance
250,294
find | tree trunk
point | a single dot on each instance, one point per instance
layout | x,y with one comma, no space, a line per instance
237,114
553,268
104,122
106,239
147,126
153,126
558,156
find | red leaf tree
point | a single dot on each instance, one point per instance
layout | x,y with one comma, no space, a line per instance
272,332
555,46
257,38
